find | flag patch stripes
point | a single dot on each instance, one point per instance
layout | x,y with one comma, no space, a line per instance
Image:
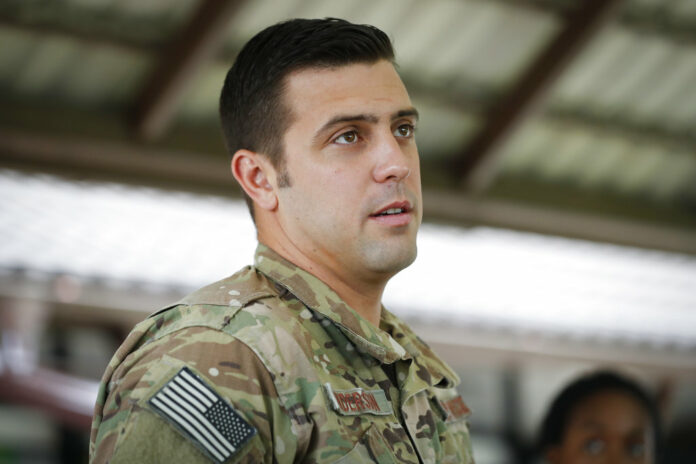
202,415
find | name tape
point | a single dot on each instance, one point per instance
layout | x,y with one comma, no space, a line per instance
357,401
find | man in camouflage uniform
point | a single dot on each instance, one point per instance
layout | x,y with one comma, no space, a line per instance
295,359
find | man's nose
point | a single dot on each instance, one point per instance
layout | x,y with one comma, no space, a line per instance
392,162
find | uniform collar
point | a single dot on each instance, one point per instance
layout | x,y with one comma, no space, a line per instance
319,297
393,341
428,369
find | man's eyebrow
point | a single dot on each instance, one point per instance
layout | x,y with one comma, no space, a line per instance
404,113
371,118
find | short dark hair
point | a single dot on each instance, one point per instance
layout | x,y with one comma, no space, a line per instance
554,426
252,111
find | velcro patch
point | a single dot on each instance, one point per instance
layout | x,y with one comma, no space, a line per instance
456,408
199,413
357,401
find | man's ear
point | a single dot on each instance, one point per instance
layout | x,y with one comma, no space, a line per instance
253,172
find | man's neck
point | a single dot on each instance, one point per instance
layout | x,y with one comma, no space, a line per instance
363,296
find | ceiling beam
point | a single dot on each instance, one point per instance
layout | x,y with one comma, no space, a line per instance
200,40
558,221
118,161
477,162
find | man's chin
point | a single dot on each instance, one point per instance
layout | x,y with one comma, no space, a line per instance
390,260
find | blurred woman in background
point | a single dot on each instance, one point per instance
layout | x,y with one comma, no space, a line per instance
601,418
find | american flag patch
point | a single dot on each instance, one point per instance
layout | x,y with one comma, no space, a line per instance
202,415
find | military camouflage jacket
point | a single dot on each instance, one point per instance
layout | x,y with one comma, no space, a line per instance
270,365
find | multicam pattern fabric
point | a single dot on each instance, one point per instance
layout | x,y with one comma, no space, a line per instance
277,344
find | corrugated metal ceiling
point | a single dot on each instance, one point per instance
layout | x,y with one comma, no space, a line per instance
618,124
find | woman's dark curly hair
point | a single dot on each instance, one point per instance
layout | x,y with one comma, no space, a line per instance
554,426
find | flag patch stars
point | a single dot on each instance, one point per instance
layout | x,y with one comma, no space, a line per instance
202,416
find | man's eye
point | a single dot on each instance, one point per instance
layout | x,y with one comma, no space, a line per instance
594,447
404,130
347,138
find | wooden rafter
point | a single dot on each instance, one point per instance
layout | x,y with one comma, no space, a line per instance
476,163
193,48
558,221
114,160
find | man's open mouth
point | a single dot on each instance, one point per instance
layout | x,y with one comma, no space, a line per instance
391,211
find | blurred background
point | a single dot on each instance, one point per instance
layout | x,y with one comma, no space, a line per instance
558,151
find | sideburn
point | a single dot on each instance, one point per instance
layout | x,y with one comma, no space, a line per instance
283,177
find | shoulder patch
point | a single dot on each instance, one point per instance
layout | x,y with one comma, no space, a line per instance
202,416
456,408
